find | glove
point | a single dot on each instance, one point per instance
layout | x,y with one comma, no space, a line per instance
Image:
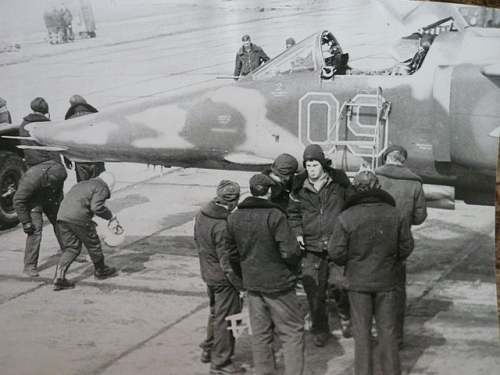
29,228
69,163
300,240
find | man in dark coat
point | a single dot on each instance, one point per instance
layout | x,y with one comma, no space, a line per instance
406,189
369,238
209,230
40,192
84,170
75,224
316,201
282,172
40,114
261,242
248,58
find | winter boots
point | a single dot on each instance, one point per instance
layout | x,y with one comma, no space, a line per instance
60,281
102,271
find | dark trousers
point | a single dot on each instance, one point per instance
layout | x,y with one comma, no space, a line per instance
315,282
224,301
278,313
33,241
72,236
382,305
401,309
86,171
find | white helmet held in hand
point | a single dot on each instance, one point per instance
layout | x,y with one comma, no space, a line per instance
114,236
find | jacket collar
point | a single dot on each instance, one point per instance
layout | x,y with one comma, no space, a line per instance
371,196
254,202
215,211
397,172
335,175
35,117
242,51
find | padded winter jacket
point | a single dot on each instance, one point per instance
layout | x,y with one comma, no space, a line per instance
313,213
260,240
209,233
406,189
371,239
84,200
247,61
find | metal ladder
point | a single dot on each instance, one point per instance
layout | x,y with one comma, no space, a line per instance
365,140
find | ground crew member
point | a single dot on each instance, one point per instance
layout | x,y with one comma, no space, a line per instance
84,170
75,225
261,242
209,229
316,201
369,238
248,58
80,107
40,192
4,113
289,43
282,171
406,188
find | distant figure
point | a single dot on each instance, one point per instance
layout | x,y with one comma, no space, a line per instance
369,239
4,113
80,107
40,191
76,227
290,42
68,27
248,58
222,288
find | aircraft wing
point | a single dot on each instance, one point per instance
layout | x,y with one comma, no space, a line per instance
491,71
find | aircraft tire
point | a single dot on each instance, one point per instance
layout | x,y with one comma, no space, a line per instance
12,169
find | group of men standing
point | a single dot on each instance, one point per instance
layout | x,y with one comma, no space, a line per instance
40,191
59,24
344,240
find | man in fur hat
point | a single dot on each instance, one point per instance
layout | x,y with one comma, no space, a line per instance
261,242
222,287
406,188
282,172
84,170
369,239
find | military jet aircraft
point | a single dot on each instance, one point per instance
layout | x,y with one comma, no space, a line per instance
439,100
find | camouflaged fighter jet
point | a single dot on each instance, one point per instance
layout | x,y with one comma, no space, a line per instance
439,100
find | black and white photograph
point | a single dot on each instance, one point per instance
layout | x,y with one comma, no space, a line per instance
288,187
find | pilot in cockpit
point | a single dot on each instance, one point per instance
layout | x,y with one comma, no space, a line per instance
335,60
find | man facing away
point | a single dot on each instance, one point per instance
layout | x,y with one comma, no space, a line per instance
261,242
248,58
282,172
76,227
40,191
316,201
370,238
222,288
406,188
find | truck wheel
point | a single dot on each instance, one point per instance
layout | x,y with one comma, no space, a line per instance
11,170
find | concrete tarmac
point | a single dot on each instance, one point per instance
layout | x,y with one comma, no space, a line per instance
151,317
